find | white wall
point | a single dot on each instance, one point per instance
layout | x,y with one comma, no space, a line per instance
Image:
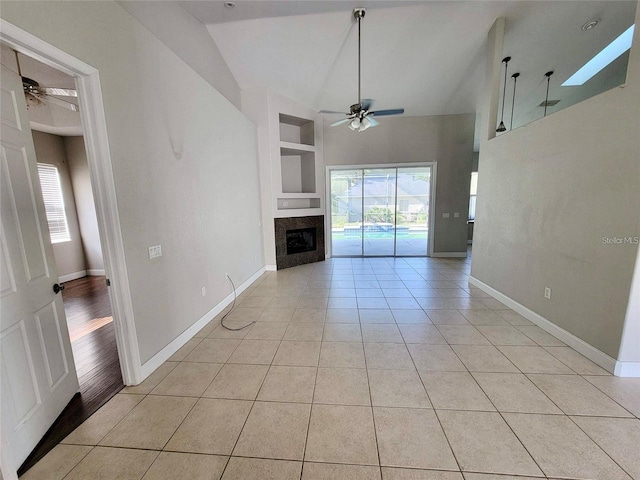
547,195
85,206
446,139
184,165
189,39
263,107
69,255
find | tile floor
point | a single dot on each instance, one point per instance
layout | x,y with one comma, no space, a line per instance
364,369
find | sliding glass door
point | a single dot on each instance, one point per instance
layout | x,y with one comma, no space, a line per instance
346,213
380,211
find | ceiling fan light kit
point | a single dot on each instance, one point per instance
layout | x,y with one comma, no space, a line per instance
360,116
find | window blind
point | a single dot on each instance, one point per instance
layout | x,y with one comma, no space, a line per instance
53,203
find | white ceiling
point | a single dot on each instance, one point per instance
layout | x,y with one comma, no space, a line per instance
42,117
426,56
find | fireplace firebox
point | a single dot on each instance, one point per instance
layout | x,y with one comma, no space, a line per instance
301,240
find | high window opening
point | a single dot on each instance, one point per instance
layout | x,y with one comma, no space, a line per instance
380,211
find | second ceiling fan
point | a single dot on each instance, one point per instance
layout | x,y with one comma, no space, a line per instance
360,115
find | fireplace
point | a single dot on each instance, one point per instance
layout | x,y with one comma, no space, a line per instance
299,240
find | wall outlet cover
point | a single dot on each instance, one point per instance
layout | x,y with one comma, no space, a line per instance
547,293
155,251
445,215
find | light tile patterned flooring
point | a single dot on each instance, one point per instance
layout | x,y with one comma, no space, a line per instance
365,369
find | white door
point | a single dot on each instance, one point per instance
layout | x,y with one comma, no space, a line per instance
38,373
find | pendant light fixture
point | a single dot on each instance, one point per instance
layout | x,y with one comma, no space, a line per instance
501,127
513,100
546,98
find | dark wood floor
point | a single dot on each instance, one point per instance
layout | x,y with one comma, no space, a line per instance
93,340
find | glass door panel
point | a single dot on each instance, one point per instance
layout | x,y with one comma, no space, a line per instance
379,211
346,213
412,213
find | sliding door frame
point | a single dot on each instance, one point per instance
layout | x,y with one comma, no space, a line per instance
432,202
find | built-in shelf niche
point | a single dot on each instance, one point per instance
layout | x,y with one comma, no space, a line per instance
297,155
296,130
298,173
298,203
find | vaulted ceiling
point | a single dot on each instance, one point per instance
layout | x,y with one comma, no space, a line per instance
427,56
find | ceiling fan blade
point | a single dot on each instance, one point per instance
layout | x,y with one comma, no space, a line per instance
382,113
56,101
332,112
366,103
373,121
62,92
33,97
340,122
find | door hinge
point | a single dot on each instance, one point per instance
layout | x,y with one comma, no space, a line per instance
108,282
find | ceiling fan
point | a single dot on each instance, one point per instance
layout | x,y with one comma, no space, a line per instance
360,115
36,94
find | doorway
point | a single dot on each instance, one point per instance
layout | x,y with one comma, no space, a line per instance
381,211
70,214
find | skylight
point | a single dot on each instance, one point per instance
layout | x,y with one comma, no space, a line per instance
602,59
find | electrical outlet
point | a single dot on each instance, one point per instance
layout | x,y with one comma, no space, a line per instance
155,251
204,291
445,215
547,293
456,215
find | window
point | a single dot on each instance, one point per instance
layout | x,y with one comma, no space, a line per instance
472,195
53,203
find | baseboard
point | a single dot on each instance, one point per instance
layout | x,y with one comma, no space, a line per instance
163,355
627,369
449,254
271,268
589,351
96,272
72,276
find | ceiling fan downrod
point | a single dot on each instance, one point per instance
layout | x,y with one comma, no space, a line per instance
358,13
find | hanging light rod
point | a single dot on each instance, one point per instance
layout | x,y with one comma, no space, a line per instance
501,127
513,100
546,98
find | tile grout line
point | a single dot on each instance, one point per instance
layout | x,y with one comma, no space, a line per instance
373,416
504,420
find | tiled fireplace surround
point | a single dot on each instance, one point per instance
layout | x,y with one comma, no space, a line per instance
295,223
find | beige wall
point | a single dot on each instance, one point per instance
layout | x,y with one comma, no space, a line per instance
85,206
183,159
189,39
547,195
69,255
447,140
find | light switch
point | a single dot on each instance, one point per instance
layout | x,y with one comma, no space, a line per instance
456,215
445,215
155,251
